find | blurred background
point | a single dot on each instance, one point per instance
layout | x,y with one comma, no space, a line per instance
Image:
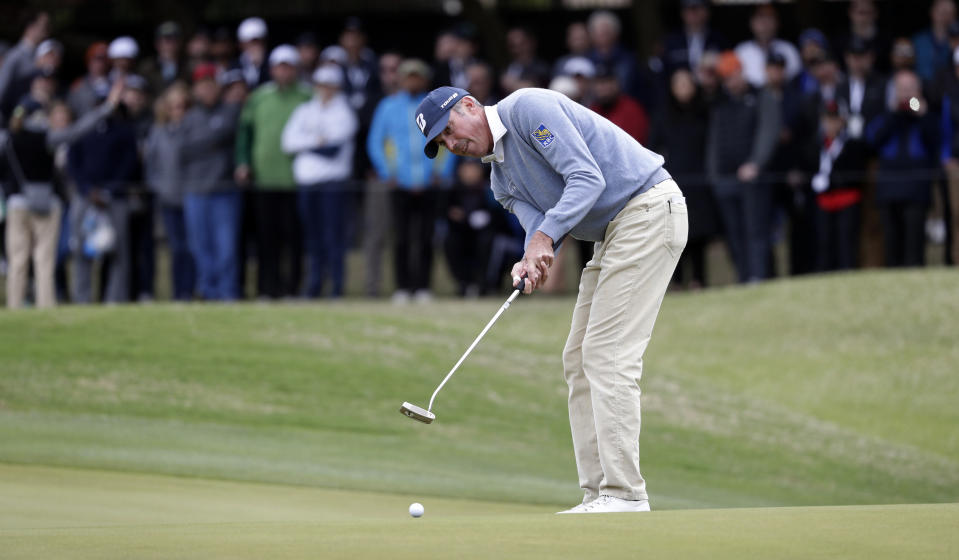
213,150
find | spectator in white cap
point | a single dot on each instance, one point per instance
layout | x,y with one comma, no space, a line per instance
582,70
49,55
251,34
320,134
261,161
123,52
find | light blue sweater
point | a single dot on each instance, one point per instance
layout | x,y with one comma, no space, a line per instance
565,169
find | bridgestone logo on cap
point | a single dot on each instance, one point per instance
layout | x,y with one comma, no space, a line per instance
421,122
448,99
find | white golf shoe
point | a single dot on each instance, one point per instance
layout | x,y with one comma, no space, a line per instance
581,508
612,504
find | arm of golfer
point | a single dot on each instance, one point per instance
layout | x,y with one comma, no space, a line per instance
530,218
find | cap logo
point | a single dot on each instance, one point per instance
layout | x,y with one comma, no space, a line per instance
421,122
448,99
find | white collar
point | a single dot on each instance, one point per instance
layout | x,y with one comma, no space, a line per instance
497,129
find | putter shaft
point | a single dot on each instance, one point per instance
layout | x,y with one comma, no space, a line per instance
502,308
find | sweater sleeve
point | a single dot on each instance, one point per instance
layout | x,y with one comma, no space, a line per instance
244,134
767,133
80,128
297,136
529,217
548,128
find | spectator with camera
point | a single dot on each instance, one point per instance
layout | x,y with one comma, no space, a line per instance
906,138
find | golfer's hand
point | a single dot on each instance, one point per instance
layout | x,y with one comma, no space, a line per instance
536,262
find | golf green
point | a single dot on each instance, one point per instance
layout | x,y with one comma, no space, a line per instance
76,514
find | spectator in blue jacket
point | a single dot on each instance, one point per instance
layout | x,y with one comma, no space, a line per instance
906,137
932,45
395,147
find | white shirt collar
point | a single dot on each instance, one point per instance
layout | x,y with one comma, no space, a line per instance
497,129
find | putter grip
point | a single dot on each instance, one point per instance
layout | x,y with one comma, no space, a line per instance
522,285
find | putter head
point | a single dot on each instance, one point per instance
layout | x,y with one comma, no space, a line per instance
417,413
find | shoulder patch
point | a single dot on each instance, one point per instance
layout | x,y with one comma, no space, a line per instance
543,136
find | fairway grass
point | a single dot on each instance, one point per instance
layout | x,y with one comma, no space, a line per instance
76,514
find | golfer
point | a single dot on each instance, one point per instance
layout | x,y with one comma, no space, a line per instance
564,170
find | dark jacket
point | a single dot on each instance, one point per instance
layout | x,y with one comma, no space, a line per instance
873,100
676,48
679,135
907,145
28,150
106,158
742,130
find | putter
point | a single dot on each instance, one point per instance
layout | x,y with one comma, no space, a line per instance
425,415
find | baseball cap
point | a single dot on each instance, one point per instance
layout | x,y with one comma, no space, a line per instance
728,64
231,76
168,29
335,53
49,45
284,54
579,65
414,66
813,35
205,71
123,47
137,82
328,76
250,29
434,112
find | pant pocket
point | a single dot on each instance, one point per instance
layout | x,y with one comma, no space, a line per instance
677,225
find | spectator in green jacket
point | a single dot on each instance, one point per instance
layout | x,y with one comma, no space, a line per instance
260,161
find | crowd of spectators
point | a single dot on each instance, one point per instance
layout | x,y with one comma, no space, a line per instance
237,149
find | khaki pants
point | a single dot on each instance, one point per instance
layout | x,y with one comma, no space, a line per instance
620,293
31,235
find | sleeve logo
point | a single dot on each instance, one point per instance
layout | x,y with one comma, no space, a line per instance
421,122
543,136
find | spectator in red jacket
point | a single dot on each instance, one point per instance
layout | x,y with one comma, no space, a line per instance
621,109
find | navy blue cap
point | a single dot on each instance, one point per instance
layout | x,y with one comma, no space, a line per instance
433,114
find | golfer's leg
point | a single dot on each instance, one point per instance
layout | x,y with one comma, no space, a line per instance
642,248
580,404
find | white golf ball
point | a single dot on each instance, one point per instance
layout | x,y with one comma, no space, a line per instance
416,509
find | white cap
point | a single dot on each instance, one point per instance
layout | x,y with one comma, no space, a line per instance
123,47
48,46
565,85
955,56
335,53
579,65
328,75
285,54
251,28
